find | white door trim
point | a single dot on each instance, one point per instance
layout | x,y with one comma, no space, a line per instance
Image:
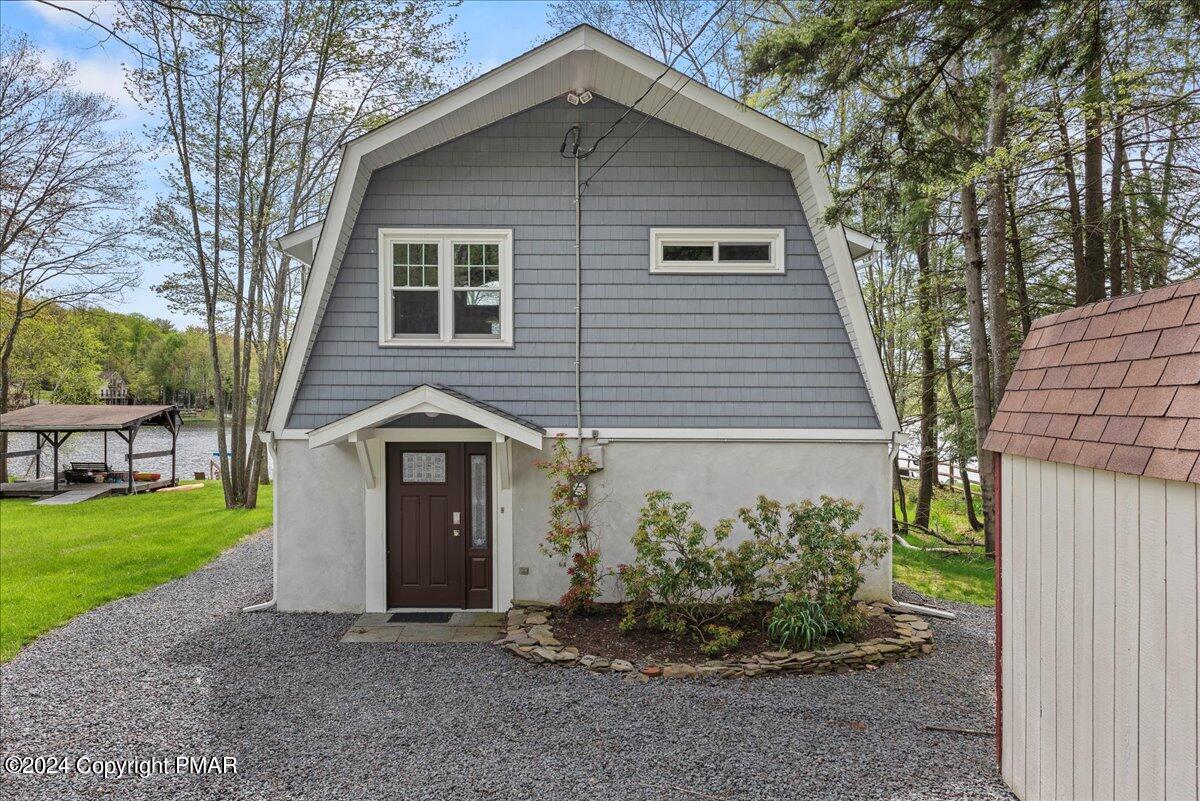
375,551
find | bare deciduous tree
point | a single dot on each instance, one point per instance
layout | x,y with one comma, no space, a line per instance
66,196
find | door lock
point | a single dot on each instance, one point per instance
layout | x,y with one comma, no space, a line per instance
456,532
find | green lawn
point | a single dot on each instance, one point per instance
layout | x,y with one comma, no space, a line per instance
969,578
59,561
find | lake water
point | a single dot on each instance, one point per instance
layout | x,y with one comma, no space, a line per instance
196,445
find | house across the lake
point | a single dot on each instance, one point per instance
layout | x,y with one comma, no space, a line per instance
114,389
721,348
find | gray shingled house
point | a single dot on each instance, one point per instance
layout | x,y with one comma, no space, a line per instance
722,347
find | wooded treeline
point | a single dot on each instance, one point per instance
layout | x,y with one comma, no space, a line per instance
63,352
1011,159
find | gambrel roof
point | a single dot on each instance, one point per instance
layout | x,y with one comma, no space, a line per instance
582,58
1114,385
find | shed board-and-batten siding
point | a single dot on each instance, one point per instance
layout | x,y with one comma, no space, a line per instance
1099,633
670,351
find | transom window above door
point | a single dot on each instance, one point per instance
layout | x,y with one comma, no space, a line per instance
444,287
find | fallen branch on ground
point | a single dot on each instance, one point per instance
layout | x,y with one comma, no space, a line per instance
939,536
958,730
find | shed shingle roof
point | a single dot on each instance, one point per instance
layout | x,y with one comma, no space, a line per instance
1113,385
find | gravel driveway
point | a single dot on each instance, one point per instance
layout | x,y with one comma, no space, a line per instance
178,670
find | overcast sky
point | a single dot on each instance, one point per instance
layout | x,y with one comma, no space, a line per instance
497,30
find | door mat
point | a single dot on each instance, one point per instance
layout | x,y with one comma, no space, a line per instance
420,617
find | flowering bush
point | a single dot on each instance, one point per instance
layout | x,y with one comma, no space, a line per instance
570,535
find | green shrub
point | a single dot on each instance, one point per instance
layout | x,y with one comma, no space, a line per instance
815,558
679,581
686,582
801,623
720,639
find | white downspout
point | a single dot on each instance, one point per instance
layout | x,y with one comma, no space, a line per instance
269,440
897,439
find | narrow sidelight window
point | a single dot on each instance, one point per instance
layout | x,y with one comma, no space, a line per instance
479,500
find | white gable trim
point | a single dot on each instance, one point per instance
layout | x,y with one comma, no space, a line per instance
301,244
710,114
422,399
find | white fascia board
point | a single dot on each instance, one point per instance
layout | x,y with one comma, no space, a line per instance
421,399
853,306
860,244
583,38
730,434
301,244
352,153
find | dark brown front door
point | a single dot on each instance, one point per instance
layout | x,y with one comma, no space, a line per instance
438,525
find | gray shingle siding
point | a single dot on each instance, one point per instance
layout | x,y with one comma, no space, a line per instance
659,351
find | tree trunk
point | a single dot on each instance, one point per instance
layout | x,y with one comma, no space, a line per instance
1073,205
981,390
928,458
1091,288
1116,214
1018,256
997,246
968,496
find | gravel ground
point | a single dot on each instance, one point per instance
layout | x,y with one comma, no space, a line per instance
178,670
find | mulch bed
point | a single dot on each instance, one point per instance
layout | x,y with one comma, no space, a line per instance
600,634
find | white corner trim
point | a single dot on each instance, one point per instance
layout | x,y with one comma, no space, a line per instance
846,288
715,237
421,399
730,434
861,245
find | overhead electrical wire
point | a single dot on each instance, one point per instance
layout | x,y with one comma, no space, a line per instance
680,84
629,109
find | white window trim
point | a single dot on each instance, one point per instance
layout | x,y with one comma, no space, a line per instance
712,236
444,237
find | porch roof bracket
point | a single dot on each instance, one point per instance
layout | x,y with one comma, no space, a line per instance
504,461
364,460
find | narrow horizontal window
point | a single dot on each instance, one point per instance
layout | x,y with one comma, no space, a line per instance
445,287
716,250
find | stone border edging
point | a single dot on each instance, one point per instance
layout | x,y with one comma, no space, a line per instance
531,637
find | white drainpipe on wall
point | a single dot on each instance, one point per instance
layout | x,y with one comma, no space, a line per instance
269,440
897,439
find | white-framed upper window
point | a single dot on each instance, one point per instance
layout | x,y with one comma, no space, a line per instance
716,250
445,287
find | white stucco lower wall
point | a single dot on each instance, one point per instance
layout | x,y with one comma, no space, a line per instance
322,525
716,477
320,529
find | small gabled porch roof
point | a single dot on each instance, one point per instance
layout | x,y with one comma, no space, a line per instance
434,399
